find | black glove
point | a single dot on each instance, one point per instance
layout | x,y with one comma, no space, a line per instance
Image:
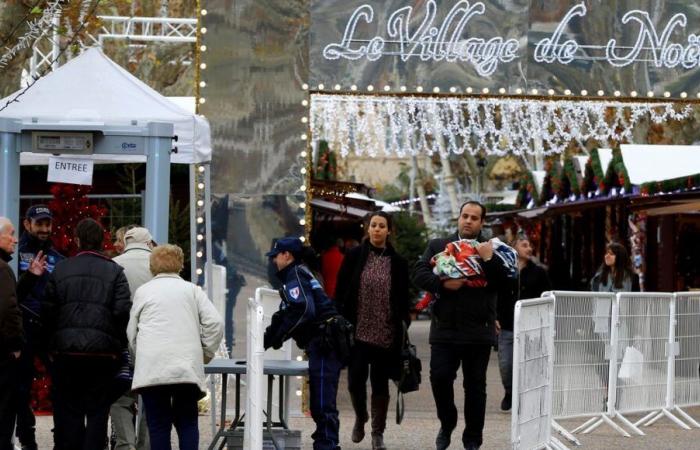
268,340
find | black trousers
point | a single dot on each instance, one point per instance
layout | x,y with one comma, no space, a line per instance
445,359
83,391
26,422
373,362
9,374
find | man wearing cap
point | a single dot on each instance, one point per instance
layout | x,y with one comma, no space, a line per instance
35,239
135,259
303,311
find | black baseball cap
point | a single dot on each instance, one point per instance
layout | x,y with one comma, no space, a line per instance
289,244
37,212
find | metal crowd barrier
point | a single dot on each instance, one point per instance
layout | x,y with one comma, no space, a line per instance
624,354
533,359
687,366
255,351
581,363
644,383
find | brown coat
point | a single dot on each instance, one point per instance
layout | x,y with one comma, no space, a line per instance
11,333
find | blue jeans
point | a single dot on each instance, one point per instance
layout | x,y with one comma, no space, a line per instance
324,372
505,359
168,405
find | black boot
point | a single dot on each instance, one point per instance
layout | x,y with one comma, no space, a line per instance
380,407
361,417
442,441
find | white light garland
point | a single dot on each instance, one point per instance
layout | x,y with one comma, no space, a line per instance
373,125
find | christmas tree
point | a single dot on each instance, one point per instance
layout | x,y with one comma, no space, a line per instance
69,206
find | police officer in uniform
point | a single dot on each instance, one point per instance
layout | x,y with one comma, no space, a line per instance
35,241
304,309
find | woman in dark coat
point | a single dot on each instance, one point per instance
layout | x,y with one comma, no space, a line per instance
372,293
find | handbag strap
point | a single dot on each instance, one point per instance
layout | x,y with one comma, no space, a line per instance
399,406
406,341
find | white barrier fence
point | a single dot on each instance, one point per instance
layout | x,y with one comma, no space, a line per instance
686,389
581,343
533,367
255,399
624,354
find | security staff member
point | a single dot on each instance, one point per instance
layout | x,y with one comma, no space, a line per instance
35,240
304,309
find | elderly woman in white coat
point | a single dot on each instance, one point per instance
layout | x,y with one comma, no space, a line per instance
173,330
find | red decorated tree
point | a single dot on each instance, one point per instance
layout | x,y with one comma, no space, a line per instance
69,206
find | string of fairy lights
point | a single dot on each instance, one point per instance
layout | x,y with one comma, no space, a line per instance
201,173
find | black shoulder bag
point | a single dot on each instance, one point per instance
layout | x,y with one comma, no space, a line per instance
409,373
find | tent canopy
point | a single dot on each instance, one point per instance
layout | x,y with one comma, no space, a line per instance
92,89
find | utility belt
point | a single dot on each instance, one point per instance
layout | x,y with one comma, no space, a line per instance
338,334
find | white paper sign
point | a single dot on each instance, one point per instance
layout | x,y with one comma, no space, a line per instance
70,170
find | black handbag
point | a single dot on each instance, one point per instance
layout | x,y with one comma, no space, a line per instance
410,366
409,374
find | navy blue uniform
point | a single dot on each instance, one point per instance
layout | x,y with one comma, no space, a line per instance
303,310
30,305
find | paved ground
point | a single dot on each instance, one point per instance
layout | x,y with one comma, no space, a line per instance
420,424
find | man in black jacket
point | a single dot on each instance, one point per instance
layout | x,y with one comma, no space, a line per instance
86,311
533,280
462,329
11,330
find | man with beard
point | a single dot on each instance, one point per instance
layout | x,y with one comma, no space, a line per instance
35,239
463,326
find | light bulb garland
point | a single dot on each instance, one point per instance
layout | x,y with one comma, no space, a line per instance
408,125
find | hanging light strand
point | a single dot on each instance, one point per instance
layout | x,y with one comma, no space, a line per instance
373,125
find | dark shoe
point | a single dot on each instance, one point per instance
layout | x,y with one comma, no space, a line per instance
471,447
358,430
442,441
30,447
506,403
380,408
378,442
359,405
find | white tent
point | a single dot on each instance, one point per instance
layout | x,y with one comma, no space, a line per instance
92,89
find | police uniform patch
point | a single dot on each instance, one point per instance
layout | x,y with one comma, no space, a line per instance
294,293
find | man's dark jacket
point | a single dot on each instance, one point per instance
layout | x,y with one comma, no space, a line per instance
348,287
533,281
464,316
11,331
86,306
28,247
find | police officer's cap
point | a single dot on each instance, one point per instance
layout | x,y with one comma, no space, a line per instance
288,244
38,212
